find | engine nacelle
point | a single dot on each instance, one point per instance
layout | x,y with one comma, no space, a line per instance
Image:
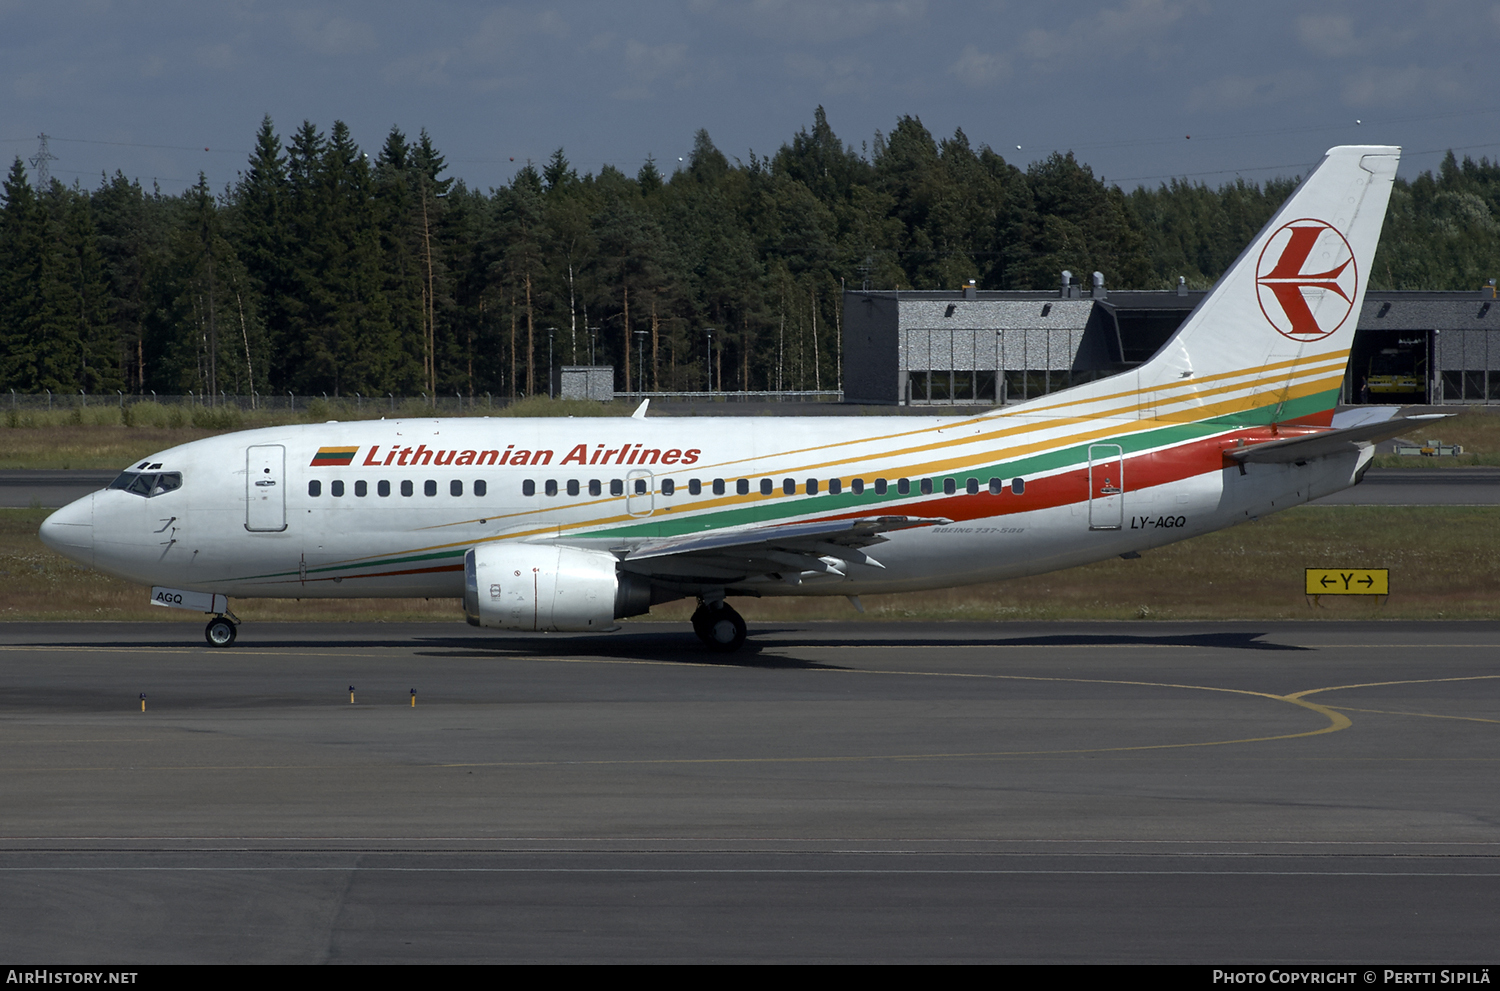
516,586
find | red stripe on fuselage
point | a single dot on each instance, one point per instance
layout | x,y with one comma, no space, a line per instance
1142,471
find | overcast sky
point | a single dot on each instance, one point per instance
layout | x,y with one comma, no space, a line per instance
1141,90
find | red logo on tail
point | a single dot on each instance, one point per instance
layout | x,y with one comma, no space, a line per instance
1306,280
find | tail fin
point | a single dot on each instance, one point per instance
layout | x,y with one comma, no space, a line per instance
1271,341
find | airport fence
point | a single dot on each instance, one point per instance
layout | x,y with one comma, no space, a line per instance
195,405
284,401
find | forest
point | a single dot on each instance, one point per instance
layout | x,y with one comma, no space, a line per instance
326,269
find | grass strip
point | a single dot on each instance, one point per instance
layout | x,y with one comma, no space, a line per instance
1444,563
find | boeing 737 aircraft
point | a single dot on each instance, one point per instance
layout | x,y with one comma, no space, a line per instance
572,524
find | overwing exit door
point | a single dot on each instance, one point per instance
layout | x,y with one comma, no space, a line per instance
265,488
1106,487
640,493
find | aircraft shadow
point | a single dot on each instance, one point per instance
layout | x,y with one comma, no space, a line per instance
666,648
1219,641
681,648
684,647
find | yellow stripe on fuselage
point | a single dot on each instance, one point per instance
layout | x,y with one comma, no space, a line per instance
1126,424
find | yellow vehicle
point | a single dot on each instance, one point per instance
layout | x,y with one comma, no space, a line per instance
1396,370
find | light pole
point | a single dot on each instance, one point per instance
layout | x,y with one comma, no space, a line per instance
592,332
708,356
640,360
550,332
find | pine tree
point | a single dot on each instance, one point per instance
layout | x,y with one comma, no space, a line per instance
130,243
265,242
38,306
88,288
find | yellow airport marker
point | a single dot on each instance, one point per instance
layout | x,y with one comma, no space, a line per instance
413,698
351,694
1319,582
143,701
1348,581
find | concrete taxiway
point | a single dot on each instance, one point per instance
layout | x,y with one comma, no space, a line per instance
1107,792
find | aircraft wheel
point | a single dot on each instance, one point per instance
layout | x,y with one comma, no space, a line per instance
220,632
700,622
720,627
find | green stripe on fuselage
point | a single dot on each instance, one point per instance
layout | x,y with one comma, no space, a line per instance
769,509
772,508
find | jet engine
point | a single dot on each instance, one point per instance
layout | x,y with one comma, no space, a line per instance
516,586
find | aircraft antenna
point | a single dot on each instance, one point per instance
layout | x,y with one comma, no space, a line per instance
39,163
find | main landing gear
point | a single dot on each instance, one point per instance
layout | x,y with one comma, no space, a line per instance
719,626
220,631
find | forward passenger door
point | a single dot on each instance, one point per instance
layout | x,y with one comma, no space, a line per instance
265,488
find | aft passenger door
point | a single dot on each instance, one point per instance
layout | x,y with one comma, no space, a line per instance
1106,487
265,488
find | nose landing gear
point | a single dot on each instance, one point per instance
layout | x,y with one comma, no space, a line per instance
719,626
220,631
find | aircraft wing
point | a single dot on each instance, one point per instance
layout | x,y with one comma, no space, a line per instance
1295,449
786,551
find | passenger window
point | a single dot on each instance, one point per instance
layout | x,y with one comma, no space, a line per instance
550,487
315,488
972,486
640,486
835,486
616,487
695,487
996,486
880,486
1018,485
857,486
455,488
742,486
927,486
481,487
383,489
528,488
668,487
950,486
336,488
903,486
595,488
572,486
789,486
406,487
429,488
718,486
361,488
812,486
765,486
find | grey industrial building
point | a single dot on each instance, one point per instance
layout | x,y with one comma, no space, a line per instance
972,347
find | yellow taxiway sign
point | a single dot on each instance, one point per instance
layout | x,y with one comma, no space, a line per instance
1348,581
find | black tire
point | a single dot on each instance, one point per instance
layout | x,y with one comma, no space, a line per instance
720,628
220,632
700,623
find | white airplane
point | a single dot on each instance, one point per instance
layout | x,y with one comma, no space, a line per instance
572,524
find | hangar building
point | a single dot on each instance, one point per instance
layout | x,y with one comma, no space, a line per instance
974,347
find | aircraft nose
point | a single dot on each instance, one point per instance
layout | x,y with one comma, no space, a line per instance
70,531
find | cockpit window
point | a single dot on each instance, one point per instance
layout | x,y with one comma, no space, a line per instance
148,484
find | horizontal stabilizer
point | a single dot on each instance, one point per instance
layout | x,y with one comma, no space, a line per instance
1289,450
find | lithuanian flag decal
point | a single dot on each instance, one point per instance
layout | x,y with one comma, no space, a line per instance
333,456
